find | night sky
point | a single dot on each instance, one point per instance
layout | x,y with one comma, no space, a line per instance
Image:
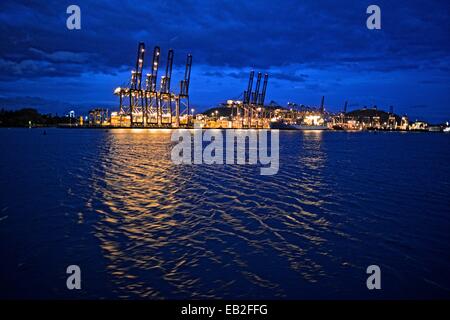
309,48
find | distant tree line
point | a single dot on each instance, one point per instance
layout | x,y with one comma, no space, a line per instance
22,118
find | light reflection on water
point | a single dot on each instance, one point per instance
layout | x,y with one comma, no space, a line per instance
201,230
141,227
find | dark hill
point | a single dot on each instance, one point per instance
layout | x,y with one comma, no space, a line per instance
362,114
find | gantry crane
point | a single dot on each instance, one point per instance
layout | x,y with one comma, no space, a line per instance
261,113
254,100
136,96
247,100
133,91
166,97
151,93
182,100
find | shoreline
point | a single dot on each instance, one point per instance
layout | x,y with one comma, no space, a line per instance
192,128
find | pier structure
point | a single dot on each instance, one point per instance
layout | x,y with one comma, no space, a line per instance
149,106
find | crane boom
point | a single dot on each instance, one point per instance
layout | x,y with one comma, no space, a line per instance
247,93
255,94
165,81
137,73
184,84
262,97
151,77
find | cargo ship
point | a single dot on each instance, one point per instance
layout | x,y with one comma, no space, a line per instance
312,121
294,126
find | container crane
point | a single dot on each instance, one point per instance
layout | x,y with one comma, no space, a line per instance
182,100
136,96
151,93
133,90
165,96
247,97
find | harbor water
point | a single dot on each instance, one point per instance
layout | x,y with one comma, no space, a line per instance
138,226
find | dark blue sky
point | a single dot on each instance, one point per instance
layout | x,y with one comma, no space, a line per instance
309,48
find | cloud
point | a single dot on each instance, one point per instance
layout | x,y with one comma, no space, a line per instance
305,46
244,75
419,106
254,34
43,105
64,56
